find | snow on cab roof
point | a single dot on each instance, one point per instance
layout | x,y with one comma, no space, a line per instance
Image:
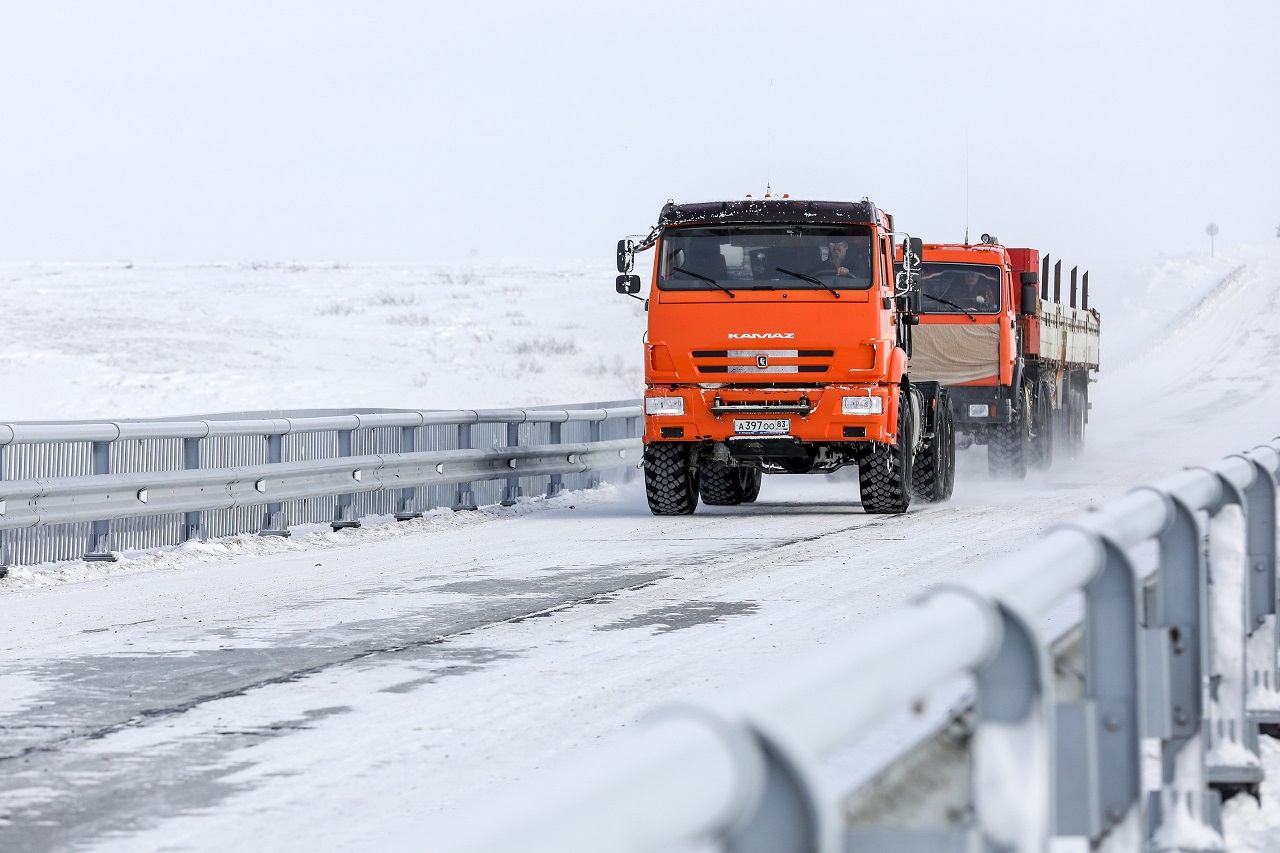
770,210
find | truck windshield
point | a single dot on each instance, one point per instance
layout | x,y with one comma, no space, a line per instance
766,257
959,288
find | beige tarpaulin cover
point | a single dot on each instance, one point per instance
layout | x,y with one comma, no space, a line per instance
955,352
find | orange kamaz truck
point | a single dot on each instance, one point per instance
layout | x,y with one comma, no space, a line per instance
1016,361
779,342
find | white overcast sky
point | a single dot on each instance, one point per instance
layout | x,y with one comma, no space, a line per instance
415,131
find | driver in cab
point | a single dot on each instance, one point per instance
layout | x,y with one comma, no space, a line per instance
979,291
840,263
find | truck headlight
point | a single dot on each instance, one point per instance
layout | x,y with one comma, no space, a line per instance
864,405
664,405
979,410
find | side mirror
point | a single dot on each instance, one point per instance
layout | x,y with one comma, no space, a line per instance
626,256
1030,295
628,285
916,245
1029,278
912,252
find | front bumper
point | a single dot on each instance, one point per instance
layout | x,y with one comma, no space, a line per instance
997,407
814,413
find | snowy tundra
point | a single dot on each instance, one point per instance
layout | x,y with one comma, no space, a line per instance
332,690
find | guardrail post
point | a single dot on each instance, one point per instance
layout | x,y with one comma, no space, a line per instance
343,511
1173,665
1111,681
464,498
513,491
635,429
1097,739
100,539
192,529
407,506
1013,762
790,814
1233,762
6,561
594,437
1264,642
274,523
1013,772
555,484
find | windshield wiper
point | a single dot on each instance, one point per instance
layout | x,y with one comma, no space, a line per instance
699,275
816,281
942,301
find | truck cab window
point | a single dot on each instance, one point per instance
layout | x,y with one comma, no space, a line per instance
766,257
960,288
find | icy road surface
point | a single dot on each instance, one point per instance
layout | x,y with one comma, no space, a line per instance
333,690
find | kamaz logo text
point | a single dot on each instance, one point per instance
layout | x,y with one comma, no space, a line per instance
742,336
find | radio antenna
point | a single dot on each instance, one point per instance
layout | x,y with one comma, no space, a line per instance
768,142
966,185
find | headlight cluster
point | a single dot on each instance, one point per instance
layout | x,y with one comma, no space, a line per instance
863,405
664,405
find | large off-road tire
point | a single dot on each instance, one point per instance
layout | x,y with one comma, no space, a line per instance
1042,429
884,474
933,474
720,485
670,480
1007,449
1075,417
726,486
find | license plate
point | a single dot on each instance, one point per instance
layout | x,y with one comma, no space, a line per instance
761,426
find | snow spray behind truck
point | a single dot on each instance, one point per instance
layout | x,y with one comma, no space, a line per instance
1016,363
778,343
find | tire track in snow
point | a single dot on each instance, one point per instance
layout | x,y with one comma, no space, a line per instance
657,566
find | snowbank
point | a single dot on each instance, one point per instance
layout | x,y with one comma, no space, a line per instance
119,340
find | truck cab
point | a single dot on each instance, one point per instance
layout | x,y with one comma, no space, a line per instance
778,342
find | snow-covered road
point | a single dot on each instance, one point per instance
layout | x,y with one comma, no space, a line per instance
336,688
407,672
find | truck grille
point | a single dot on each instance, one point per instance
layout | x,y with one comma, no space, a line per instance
757,361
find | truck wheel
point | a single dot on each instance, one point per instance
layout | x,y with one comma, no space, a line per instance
1075,424
933,474
949,487
884,474
1042,428
751,478
670,481
1007,450
721,486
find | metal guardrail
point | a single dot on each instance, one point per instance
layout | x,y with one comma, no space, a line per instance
1185,655
86,489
